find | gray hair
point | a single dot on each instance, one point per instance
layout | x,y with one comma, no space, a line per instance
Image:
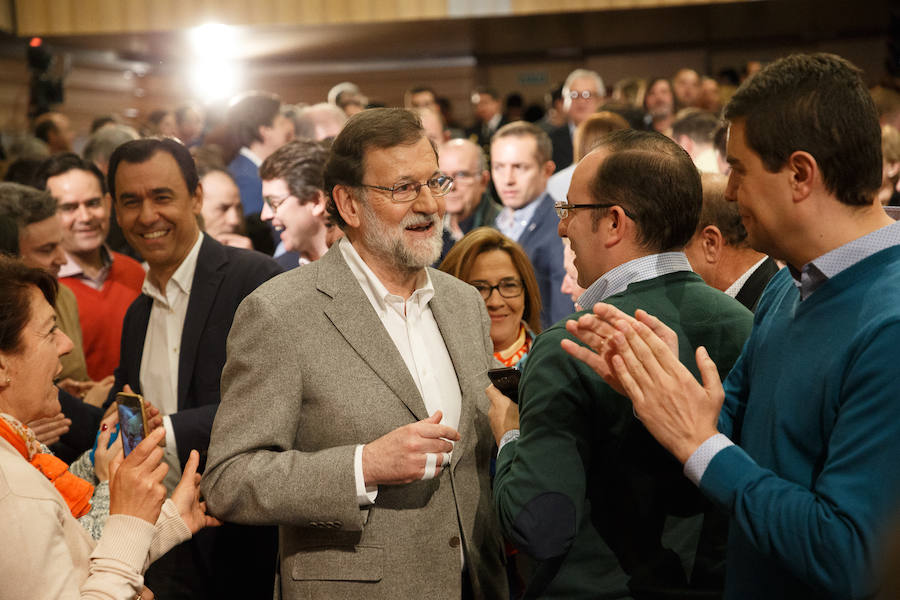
105,140
584,74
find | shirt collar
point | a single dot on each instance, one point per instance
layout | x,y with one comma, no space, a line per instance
521,216
735,287
816,272
619,278
73,269
378,294
245,151
182,279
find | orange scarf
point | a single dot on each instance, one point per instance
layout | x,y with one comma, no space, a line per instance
512,355
75,491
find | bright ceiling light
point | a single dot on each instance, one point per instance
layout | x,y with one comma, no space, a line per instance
213,40
214,68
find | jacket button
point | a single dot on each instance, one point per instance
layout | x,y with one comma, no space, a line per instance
454,541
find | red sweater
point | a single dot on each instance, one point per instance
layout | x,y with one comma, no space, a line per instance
102,311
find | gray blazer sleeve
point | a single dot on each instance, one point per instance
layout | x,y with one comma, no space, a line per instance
255,474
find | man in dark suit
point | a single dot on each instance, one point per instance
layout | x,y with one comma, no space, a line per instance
583,93
489,113
370,364
173,350
520,168
719,252
580,485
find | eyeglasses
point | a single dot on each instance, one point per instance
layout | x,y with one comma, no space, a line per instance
586,94
407,192
274,203
563,208
507,288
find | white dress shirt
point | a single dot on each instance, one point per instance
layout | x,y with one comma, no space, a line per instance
162,350
411,326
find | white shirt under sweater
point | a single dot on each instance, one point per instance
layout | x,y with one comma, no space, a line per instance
411,326
162,350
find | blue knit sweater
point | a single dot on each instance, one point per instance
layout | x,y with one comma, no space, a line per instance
814,405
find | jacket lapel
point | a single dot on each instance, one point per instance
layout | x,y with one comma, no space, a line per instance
137,331
207,277
356,320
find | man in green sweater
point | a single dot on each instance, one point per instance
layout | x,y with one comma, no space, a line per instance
581,487
803,454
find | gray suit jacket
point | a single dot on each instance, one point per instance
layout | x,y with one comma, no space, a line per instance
311,373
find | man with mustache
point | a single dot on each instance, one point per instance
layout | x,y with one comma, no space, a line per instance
353,411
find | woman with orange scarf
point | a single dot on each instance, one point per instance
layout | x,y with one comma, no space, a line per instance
47,554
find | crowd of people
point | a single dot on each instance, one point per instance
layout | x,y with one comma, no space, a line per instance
309,299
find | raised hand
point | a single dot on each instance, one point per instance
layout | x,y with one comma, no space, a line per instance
187,497
135,486
400,457
49,430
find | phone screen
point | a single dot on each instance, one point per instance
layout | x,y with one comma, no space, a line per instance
131,424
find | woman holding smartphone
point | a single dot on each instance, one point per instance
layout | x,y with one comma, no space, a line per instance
49,555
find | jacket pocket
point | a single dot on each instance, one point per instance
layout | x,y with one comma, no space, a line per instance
358,563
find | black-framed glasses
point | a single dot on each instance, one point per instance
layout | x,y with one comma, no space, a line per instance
585,94
407,192
563,208
275,202
507,288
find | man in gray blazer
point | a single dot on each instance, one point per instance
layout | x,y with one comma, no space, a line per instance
353,411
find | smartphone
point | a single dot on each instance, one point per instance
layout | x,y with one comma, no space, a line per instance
507,381
132,420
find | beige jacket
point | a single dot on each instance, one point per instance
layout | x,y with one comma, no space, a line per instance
48,555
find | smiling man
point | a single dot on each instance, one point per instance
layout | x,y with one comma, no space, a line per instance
173,342
105,283
581,487
521,166
368,446
294,198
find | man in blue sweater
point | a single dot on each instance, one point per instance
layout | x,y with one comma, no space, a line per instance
803,453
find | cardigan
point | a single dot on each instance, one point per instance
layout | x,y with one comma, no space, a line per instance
812,404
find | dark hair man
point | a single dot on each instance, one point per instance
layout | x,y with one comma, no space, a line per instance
420,96
488,117
105,282
719,252
802,453
295,199
173,350
520,167
695,131
580,486
256,122
583,92
54,129
352,447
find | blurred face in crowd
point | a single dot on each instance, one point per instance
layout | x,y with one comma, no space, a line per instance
222,212
518,176
496,268
83,209
570,281
422,100
486,106
659,100
434,126
459,159
156,212
299,222
686,84
587,99
40,245
167,126
585,240
404,236
191,126
279,133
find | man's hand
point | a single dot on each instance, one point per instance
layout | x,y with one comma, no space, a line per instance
400,456
597,330
679,412
49,430
97,393
187,497
504,413
135,486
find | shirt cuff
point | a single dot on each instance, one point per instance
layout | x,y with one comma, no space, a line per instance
695,466
365,495
510,436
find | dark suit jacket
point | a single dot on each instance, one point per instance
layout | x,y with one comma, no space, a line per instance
753,288
562,146
544,248
246,175
216,560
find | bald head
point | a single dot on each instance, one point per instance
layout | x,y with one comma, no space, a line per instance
465,162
